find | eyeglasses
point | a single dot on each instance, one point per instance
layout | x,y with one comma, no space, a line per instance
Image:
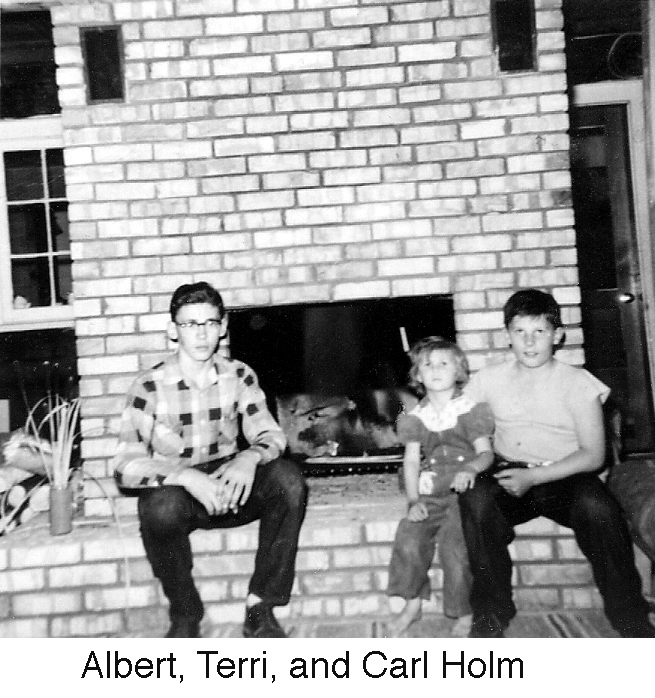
211,324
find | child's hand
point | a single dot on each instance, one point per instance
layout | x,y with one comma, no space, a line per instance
417,512
463,481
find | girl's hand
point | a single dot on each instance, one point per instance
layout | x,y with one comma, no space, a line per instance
463,481
417,512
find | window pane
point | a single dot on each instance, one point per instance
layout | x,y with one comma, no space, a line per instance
63,280
27,229
28,83
38,229
59,226
23,175
55,169
31,280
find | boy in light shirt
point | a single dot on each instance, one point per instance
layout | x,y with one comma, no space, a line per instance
549,442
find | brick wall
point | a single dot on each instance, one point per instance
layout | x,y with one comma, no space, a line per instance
306,150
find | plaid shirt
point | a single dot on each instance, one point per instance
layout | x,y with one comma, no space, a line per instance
168,426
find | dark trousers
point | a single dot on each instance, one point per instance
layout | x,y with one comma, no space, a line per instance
168,514
580,502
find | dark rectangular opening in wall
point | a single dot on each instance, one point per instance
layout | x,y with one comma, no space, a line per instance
335,374
34,364
103,63
28,85
514,34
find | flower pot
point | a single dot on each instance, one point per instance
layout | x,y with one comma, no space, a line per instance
61,510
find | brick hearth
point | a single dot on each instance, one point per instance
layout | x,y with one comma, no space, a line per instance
75,585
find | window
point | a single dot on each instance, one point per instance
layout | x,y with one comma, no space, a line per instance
103,68
28,83
35,258
514,34
38,227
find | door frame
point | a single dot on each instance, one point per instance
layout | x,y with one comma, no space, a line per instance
631,94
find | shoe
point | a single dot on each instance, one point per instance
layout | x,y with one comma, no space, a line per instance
644,629
487,625
260,622
184,627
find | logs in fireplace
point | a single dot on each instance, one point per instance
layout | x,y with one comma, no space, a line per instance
336,373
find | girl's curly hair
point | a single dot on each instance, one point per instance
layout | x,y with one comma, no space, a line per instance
423,348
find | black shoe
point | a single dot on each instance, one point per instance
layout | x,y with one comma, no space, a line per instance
487,625
184,627
260,622
644,629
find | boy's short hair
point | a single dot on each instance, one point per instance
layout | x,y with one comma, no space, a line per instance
425,347
531,302
200,292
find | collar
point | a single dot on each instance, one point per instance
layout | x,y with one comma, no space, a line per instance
173,373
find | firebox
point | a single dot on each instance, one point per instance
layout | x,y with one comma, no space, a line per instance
336,374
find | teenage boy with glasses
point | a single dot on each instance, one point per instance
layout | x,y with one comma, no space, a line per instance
178,448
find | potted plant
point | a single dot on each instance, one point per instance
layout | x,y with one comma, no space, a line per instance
48,447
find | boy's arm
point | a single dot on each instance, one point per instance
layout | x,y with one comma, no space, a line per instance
484,457
589,457
588,420
465,479
479,425
263,433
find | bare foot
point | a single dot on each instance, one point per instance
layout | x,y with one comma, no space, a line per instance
401,623
462,626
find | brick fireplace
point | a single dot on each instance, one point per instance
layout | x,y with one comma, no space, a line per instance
306,152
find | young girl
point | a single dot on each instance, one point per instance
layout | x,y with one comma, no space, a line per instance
447,441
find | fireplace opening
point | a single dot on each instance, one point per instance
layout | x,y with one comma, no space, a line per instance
335,374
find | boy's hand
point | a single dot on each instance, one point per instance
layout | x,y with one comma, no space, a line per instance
199,485
463,481
417,512
235,479
515,481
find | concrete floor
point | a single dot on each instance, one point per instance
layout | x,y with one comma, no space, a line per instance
557,624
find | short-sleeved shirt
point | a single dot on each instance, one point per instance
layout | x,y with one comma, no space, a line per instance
168,425
537,424
446,437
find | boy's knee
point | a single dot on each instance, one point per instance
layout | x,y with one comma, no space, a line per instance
161,510
595,506
289,481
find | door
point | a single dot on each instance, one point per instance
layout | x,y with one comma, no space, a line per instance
605,180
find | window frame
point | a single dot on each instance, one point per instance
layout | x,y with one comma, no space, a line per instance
32,133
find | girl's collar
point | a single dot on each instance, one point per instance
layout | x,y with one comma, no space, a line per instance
457,393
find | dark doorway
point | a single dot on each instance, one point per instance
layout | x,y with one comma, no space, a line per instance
608,258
